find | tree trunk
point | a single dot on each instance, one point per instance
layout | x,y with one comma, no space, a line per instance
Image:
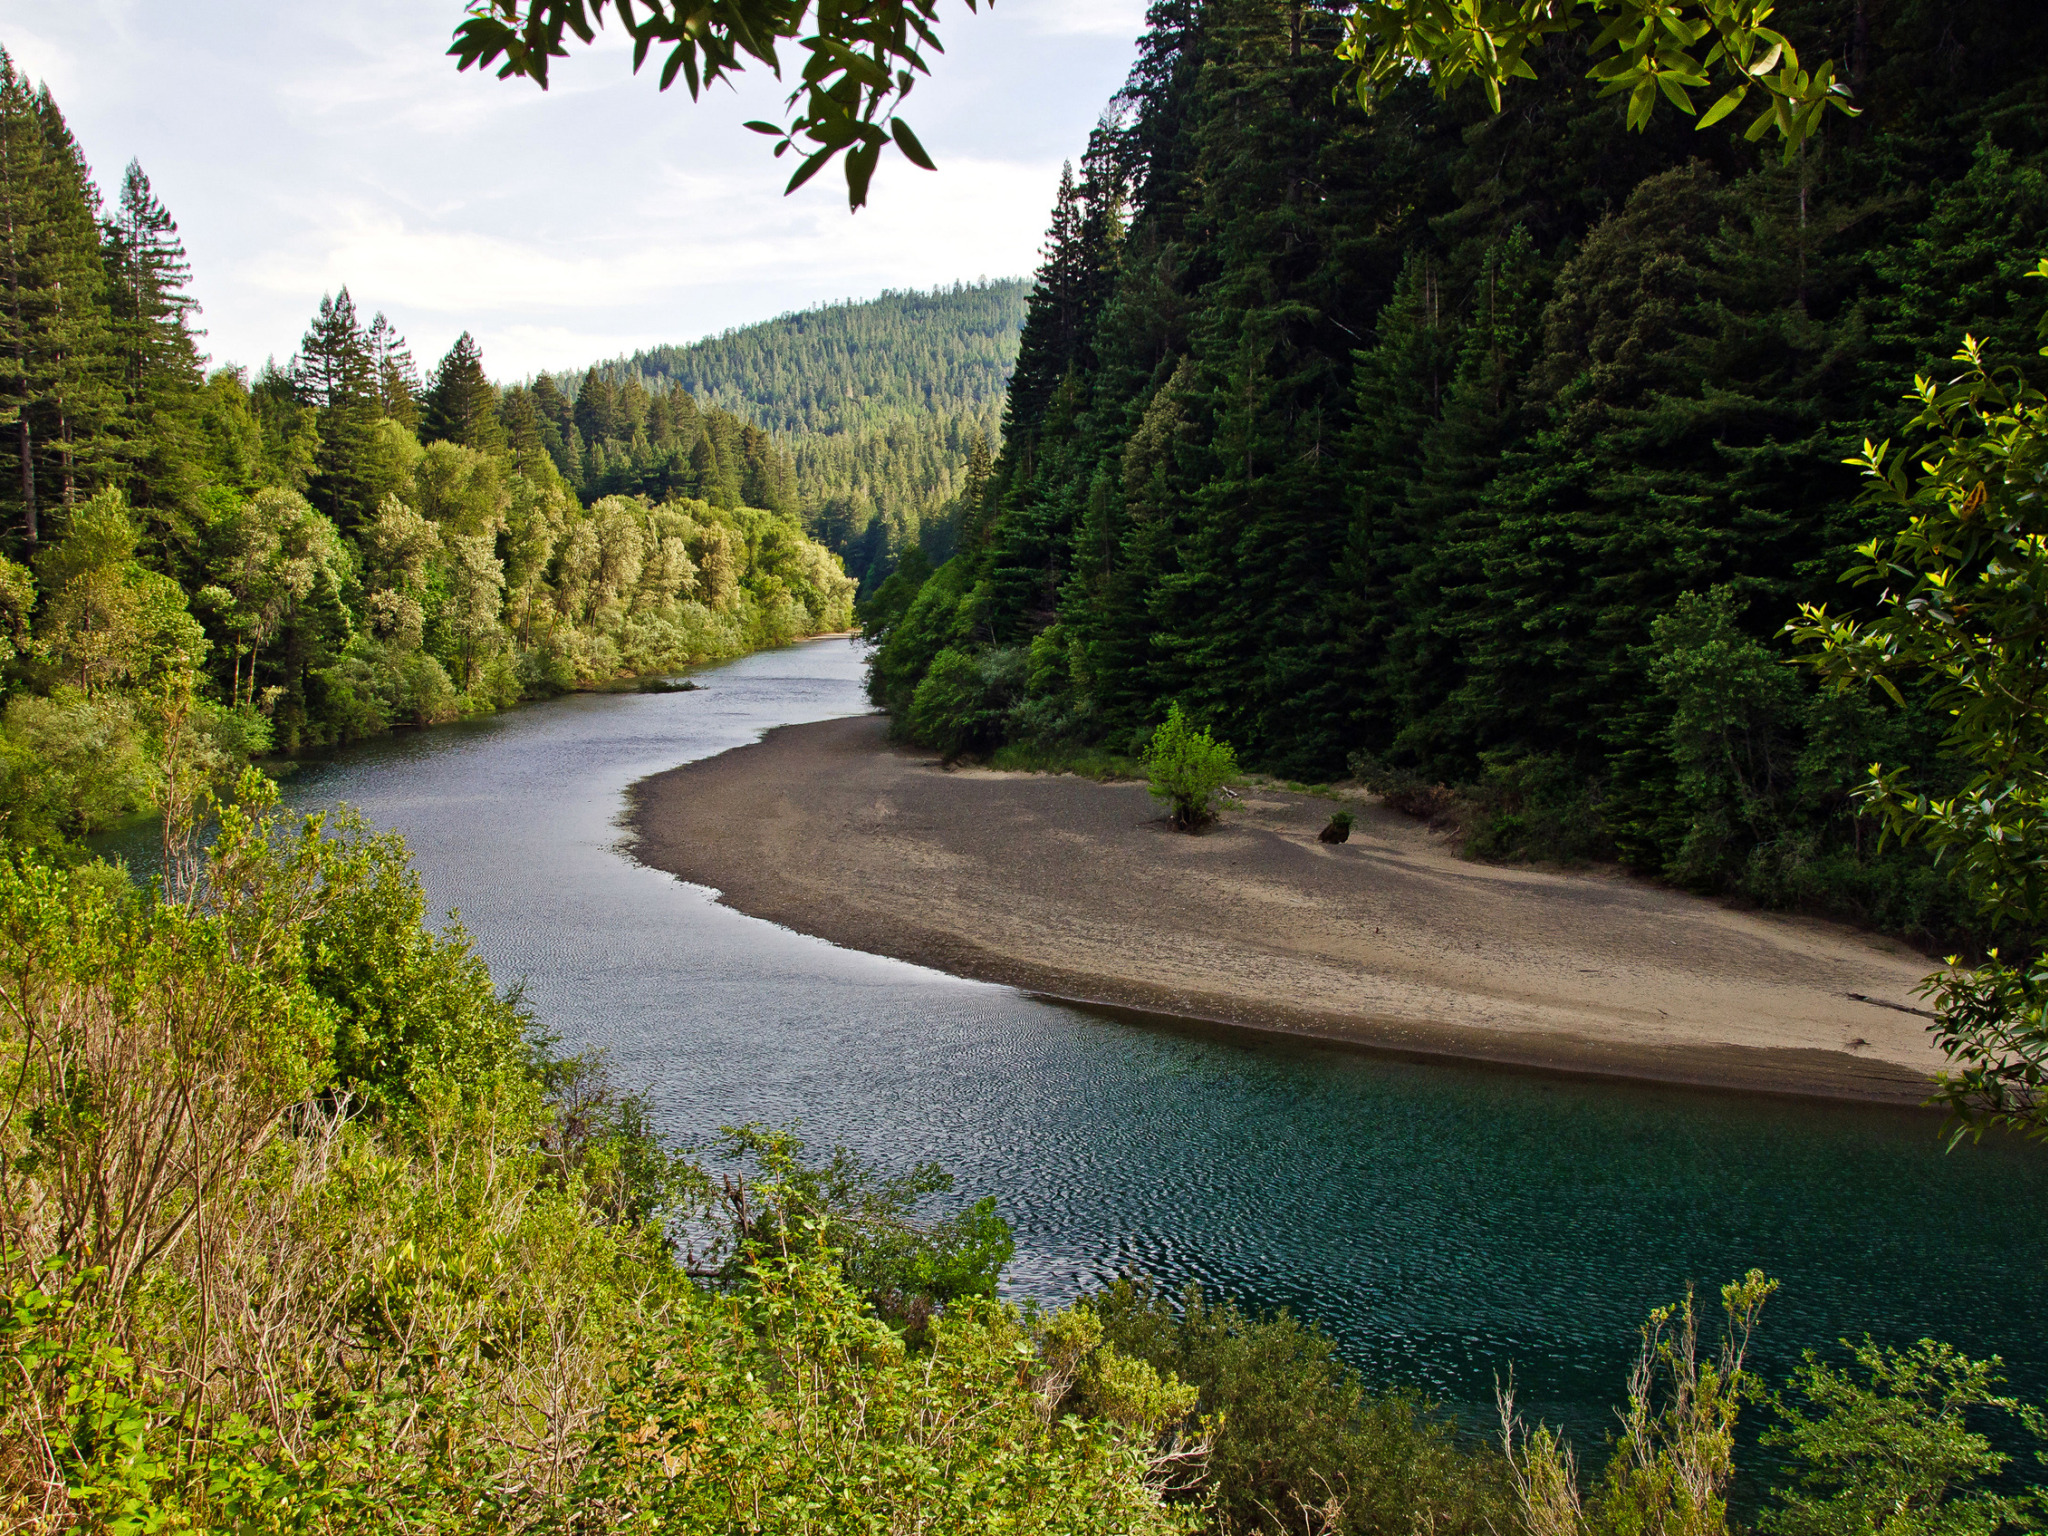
28,483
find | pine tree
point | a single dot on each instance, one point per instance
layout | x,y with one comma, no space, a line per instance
1409,655
58,390
332,374
462,404
974,495
80,397
597,409
157,355
148,273
523,432
1399,388
25,196
396,375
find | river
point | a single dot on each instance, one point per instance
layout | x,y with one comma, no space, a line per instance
1443,1224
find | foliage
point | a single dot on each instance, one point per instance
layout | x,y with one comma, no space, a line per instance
1886,1445
1674,1457
1300,1442
1962,587
964,700
879,406
791,1410
287,556
860,61
1186,768
230,1299
903,1269
1655,44
892,599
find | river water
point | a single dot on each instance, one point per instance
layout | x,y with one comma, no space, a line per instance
1443,1224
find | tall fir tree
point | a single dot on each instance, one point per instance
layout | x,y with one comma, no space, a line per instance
462,403
25,198
332,375
157,354
397,376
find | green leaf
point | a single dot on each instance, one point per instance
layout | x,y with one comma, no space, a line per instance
807,170
1675,92
907,142
1640,102
1724,106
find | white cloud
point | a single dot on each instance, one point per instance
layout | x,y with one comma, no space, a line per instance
1123,19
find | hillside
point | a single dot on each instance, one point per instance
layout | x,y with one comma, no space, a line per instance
877,403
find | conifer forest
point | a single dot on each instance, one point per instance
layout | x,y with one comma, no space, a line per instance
1491,452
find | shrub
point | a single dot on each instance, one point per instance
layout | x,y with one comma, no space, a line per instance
964,701
1536,810
1301,1443
1187,768
1892,1434
1404,790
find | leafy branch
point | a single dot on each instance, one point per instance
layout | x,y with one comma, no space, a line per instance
1963,587
1646,49
860,61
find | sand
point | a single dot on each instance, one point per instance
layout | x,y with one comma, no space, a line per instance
1390,942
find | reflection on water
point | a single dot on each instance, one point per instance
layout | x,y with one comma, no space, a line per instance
1442,1223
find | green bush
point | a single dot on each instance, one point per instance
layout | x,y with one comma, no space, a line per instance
1302,1444
1887,1445
1187,767
1535,810
964,701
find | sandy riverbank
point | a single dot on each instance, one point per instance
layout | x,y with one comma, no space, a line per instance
1077,889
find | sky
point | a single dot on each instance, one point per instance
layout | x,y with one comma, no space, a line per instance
307,144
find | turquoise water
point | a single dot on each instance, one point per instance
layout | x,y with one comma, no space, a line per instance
1444,1224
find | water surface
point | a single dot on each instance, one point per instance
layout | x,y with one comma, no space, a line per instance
1442,1223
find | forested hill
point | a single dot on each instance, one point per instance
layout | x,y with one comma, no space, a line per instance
837,368
878,403
1490,451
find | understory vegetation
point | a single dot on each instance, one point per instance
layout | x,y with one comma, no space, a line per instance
1487,456
330,549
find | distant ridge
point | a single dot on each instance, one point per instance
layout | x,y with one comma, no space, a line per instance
877,401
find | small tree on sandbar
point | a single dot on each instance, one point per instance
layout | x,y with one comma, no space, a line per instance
1187,767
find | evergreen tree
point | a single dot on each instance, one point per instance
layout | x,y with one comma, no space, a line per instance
157,355
59,390
462,404
1055,323
333,375
25,196
597,408
80,397
148,277
396,374
522,422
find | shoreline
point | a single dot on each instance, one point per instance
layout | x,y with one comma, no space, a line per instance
1076,891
